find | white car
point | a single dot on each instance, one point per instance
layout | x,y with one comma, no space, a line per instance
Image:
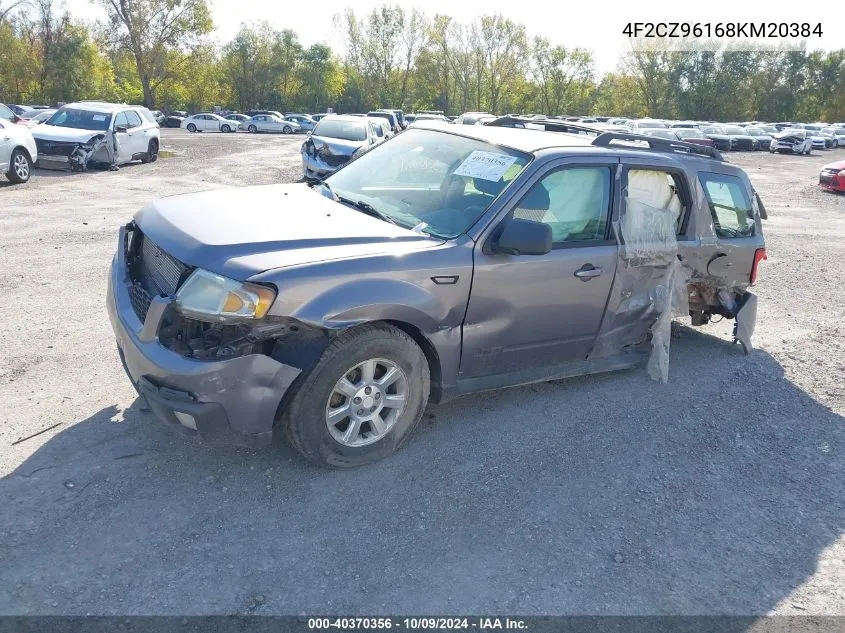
269,123
793,140
78,133
208,122
37,117
18,152
838,133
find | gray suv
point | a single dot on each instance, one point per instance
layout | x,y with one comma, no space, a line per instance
447,261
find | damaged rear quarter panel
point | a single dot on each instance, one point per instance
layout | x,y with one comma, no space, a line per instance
344,293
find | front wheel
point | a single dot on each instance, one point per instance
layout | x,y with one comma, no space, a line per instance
362,399
225,128
287,129
253,129
20,167
192,128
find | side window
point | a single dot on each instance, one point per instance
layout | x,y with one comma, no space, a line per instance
573,201
120,120
730,207
379,130
657,189
133,118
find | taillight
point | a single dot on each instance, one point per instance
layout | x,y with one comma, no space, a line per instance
759,256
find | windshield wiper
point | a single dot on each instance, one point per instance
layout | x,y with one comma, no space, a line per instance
367,208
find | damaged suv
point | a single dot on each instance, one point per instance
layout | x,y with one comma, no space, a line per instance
448,261
78,135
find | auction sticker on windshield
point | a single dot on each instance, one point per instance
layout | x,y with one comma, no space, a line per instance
485,165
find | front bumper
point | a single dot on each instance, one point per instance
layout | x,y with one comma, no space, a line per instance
832,182
232,401
315,169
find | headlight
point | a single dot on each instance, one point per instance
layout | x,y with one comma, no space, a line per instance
842,173
207,296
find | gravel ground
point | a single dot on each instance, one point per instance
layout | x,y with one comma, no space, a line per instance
721,492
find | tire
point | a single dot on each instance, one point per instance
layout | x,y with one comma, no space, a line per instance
20,166
192,128
252,129
152,152
225,128
305,418
287,129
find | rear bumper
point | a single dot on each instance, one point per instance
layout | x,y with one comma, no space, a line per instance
231,401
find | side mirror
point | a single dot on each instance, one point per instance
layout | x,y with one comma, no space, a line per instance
121,129
524,237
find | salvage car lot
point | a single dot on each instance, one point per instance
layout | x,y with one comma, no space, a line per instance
719,492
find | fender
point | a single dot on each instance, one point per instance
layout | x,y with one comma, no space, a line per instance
359,301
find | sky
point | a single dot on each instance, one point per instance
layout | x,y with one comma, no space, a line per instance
593,25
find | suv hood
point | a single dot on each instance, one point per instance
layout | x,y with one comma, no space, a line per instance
242,231
68,134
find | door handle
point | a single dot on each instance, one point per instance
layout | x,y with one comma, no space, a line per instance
587,272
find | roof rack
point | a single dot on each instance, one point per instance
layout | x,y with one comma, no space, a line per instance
659,144
549,125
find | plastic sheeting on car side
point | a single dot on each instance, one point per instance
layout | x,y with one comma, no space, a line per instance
651,281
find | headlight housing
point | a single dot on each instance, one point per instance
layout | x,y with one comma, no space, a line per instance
211,297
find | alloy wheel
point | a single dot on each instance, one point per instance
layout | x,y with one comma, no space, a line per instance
21,167
366,402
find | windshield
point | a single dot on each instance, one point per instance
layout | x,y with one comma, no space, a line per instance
750,131
345,130
440,180
690,133
734,130
80,119
651,124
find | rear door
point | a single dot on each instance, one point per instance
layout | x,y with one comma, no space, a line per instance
533,311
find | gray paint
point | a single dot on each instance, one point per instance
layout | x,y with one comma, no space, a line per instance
506,320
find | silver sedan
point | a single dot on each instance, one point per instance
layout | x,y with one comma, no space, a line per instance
269,123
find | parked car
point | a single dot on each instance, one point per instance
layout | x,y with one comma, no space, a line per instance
173,121
740,140
304,121
637,125
762,139
269,123
665,133
792,140
394,122
721,140
159,116
275,113
400,117
18,151
471,118
336,140
37,117
208,122
838,134
236,118
75,135
431,266
832,176
693,135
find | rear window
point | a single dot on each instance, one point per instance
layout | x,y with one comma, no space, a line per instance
730,206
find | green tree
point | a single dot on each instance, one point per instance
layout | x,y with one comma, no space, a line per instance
151,30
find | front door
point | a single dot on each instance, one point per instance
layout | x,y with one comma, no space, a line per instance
545,310
125,146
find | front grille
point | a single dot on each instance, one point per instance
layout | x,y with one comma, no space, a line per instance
152,272
331,159
54,148
140,300
159,272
